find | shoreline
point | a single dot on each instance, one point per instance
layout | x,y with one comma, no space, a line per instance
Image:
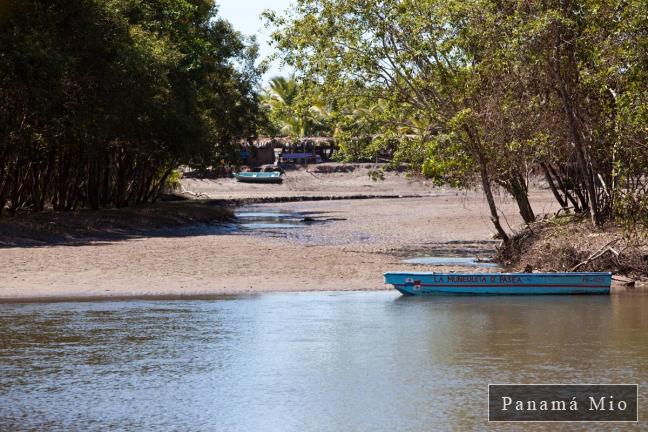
305,198
355,243
206,296
616,290
50,228
350,253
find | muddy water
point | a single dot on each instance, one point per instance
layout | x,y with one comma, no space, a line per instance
289,225
269,220
306,362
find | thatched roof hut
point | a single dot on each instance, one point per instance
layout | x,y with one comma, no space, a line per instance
288,142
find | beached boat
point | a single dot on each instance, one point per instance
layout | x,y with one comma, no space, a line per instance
259,177
417,283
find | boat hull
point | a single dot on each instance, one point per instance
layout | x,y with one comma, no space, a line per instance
419,283
259,177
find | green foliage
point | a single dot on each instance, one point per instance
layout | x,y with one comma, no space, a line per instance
562,220
461,90
172,182
377,174
390,73
101,100
292,111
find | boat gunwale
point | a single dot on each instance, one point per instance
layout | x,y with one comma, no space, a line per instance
525,283
501,274
472,285
256,174
259,177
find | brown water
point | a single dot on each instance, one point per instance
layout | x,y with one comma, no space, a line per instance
307,362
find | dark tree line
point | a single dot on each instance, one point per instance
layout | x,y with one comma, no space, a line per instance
100,100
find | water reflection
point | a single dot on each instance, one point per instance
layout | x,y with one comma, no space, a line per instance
451,261
273,221
306,362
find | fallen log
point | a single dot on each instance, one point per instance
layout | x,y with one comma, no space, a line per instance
599,253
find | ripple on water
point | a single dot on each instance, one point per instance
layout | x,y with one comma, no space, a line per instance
304,362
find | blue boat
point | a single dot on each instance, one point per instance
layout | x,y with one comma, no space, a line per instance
259,177
417,283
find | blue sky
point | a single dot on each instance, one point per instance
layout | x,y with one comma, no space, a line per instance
245,17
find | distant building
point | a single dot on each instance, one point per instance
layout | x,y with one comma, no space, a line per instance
270,150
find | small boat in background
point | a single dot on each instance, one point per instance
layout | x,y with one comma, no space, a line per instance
417,283
259,177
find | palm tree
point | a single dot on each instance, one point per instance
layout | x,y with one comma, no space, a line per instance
282,91
281,98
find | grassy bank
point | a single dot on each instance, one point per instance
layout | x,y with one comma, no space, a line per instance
569,243
110,224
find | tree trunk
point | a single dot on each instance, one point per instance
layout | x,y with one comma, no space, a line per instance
486,181
486,185
552,186
563,188
577,137
520,192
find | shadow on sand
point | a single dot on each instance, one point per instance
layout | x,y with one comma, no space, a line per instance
167,219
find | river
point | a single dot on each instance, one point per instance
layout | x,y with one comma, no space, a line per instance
359,361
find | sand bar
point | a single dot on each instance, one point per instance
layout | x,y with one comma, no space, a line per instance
367,238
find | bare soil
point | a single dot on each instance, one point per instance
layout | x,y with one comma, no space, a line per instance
367,238
313,181
83,226
569,243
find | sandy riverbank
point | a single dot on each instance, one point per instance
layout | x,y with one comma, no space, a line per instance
312,182
367,238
